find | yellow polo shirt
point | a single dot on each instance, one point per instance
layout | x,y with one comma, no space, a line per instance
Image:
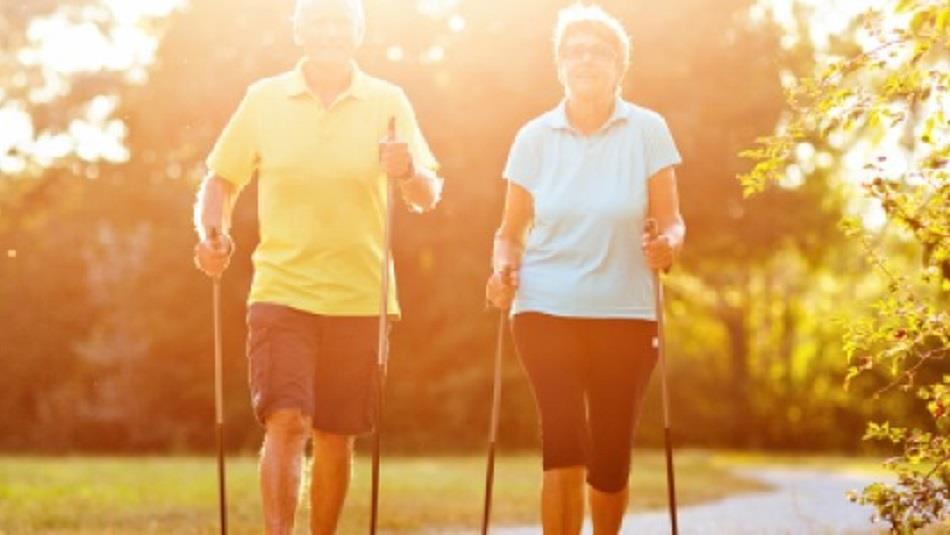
322,192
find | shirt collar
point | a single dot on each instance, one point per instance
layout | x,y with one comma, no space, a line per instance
297,83
558,120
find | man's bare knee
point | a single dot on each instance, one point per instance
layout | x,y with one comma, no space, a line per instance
288,425
329,444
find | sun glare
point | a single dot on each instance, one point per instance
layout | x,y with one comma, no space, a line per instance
436,8
830,18
69,42
888,151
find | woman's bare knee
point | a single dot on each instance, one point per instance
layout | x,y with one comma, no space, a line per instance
570,475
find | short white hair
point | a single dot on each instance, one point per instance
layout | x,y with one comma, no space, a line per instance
354,7
586,16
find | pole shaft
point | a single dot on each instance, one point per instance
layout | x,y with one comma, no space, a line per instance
382,351
670,481
495,414
222,485
489,483
661,348
496,384
219,406
218,374
665,392
374,506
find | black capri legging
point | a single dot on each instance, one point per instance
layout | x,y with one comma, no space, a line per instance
589,377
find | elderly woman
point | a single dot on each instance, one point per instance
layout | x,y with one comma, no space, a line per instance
573,262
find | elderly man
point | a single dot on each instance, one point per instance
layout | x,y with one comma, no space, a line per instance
320,138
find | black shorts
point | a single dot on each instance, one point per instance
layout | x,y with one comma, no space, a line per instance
589,377
324,366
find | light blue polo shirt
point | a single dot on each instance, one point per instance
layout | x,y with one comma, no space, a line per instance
583,258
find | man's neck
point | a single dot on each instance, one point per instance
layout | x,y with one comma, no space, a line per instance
328,82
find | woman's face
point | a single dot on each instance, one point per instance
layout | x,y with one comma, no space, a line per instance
327,32
588,67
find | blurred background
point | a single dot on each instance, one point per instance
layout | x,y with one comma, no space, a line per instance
108,108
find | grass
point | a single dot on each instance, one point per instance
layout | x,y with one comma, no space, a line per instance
81,495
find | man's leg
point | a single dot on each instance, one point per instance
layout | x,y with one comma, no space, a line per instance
284,440
345,386
562,501
329,480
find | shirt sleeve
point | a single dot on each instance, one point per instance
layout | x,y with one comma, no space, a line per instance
407,128
236,154
524,159
661,151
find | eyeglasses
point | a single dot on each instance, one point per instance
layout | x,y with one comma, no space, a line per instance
597,52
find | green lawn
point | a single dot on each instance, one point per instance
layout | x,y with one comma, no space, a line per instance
179,495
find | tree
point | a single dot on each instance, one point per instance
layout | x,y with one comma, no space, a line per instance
893,93
51,217
103,247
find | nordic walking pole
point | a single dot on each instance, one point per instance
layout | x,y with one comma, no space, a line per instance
495,410
653,232
219,394
383,347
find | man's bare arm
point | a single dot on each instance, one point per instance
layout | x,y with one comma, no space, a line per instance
213,206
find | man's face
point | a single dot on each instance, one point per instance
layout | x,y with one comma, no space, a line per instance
327,31
588,66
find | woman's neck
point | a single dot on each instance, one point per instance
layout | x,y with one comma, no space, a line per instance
589,115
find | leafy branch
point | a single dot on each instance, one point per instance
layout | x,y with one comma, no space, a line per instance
897,85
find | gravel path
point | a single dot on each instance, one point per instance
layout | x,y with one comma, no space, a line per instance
803,502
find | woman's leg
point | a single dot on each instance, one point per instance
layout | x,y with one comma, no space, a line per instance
622,358
607,510
562,500
551,356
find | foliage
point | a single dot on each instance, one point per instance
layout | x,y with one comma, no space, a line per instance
105,323
893,93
